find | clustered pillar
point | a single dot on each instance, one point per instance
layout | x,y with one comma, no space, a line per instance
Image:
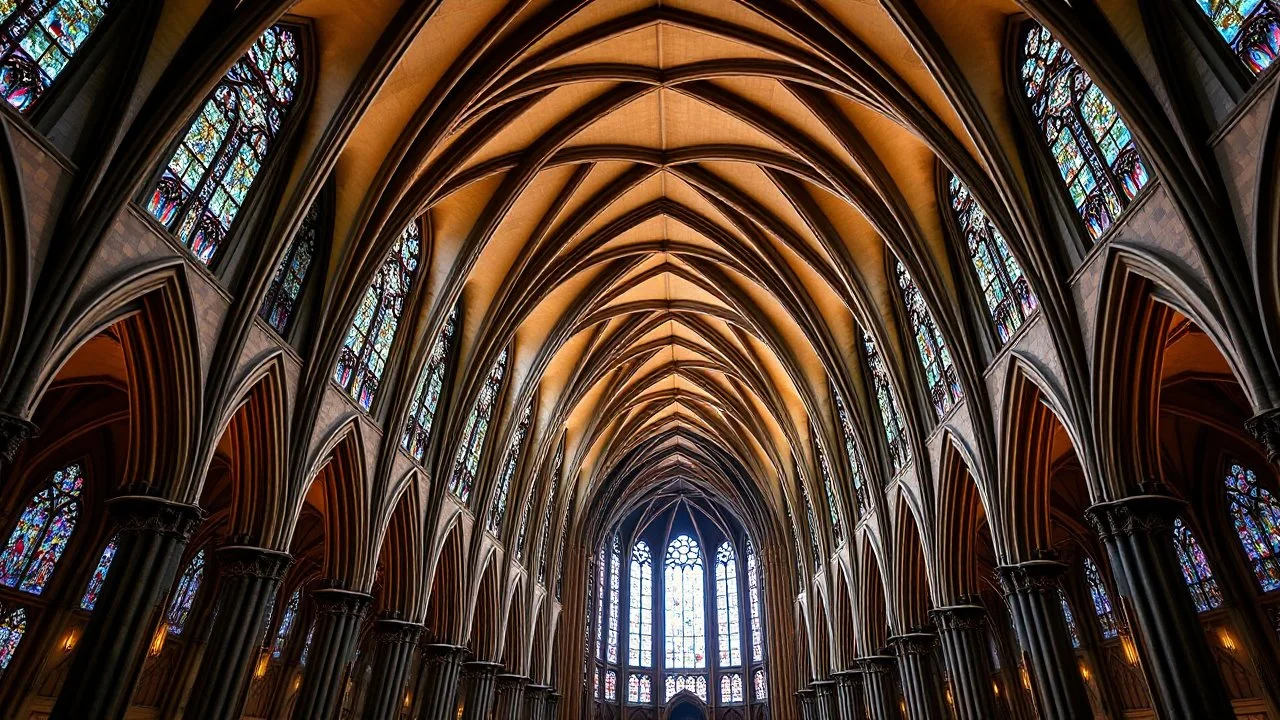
339,614
438,681
825,699
877,684
1035,601
481,678
921,686
962,630
510,699
849,695
394,641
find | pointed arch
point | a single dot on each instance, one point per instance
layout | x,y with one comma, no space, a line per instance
911,587
339,486
445,602
401,553
873,633
515,626
961,511
484,619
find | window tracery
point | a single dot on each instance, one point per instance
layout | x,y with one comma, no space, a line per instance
1195,568
204,185
731,688
813,529
1107,619
640,633
38,39
99,576
939,371
753,599
610,685
686,637
854,452
761,684
890,414
1256,516
467,461
639,689
611,640
287,619
184,597
1251,28
426,397
41,534
291,273
499,509
696,684
727,613
1072,630
12,628
837,526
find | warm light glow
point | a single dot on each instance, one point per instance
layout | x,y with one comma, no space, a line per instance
1026,676
1227,639
260,670
408,699
297,682
995,687
157,640
69,642
1084,671
1130,650
950,699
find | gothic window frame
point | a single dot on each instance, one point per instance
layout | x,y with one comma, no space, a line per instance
290,614
178,612
611,644
74,73
1101,600
828,477
322,209
420,420
854,454
755,607
1257,497
896,440
918,320
93,586
35,550
640,605
1197,571
517,448
727,576
1225,59
691,562
469,457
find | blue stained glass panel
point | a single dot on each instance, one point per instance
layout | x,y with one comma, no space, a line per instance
837,526
1256,517
38,38
1195,568
1250,27
417,431
277,308
90,598
499,510
853,452
1072,630
935,358
12,628
890,413
467,461
286,624
185,595
40,536
1107,618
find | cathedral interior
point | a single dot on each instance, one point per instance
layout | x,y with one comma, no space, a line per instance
639,359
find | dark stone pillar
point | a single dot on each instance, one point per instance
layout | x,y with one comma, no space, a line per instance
481,678
962,630
14,431
339,615
510,700
394,641
825,699
109,656
804,698
535,702
1035,601
553,705
247,581
1137,532
1265,427
877,685
921,683
849,695
438,681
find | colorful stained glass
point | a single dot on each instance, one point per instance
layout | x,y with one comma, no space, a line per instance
695,684
90,598
185,595
1256,517
761,684
610,685
753,603
1107,618
1195,568
365,350
546,518
277,308
1004,286
44,527
935,358
854,452
417,431
728,616
596,687
640,627
615,567
1091,144
287,619
686,636
639,689
731,688
12,628
598,585
813,529
895,430
202,188
1072,630
1250,27
38,38
306,647
467,461
499,509
837,526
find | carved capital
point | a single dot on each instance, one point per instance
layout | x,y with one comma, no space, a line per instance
1265,428
955,618
244,561
1149,515
509,681
873,664
437,655
916,643
143,514
393,631
480,669
336,601
1031,576
847,678
14,431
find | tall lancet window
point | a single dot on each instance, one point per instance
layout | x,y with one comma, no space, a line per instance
1107,618
935,358
185,596
753,602
611,637
41,534
686,636
727,613
286,624
282,297
1004,286
895,430
1256,516
1070,619
1195,568
91,592
600,571
640,632
1089,141
855,454
426,397
1250,27
837,526
38,38
201,190
364,353
499,510
467,461
814,548
546,525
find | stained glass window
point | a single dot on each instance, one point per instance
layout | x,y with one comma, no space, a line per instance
1195,568
895,430
90,598
1250,27
364,352
935,358
204,185
1089,141
12,628
596,680
1256,517
1005,288
640,627
1101,599
761,684
610,685
753,601
686,637
42,532
1072,630
417,431
600,570
499,509
286,624
813,529
546,527
696,684
286,286
727,614
615,565
731,688
639,689
837,527
37,40
185,596
306,646
467,461
854,452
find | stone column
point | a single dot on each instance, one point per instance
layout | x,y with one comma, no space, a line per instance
510,699
849,695
1137,532
438,681
921,683
480,677
14,431
877,684
339,615
535,702
553,705
109,656
808,701
394,641
1035,601
1265,428
962,630
247,581
825,699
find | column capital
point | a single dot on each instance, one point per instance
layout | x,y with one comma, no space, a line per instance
914,643
819,685
960,617
146,514
434,654
1147,514
873,664
1265,428
336,601
14,431
252,562
479,668
1032,575
845,678
394,631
